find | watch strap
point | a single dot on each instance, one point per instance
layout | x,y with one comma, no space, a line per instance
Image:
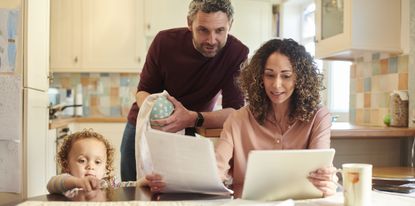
199,120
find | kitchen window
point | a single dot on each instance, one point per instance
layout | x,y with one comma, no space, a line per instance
336,73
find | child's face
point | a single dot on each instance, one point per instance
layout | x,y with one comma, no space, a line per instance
88,157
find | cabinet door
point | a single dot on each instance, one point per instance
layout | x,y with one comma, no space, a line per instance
252,22
332,26
112,35
349,29
164,14
65,35
36,56
35,134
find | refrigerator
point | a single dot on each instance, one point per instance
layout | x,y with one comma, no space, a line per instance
24,66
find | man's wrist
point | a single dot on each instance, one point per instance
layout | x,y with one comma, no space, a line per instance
199,120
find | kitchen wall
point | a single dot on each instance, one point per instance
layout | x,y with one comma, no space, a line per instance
372,79
103,94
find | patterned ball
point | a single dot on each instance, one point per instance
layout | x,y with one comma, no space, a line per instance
162,108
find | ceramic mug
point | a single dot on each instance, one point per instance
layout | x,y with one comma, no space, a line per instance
357,184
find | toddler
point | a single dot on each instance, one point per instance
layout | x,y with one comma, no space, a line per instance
86,160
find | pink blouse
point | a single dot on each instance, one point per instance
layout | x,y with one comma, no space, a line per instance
242,133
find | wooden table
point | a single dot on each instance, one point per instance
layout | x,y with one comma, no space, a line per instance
397,173
343,130
138,194
126,194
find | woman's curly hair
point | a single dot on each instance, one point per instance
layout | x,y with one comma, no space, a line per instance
309,81
63,154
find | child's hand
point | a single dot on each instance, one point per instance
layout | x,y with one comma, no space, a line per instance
155,182
87,183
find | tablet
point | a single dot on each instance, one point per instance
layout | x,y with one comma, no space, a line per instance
282,174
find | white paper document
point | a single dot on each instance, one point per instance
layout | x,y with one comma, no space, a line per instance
187,164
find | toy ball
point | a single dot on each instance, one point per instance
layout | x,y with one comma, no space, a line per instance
162,108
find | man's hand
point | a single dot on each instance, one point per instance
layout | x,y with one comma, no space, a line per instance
180,119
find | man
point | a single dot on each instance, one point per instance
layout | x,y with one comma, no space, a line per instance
194,65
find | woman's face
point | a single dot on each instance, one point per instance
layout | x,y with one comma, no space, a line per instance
279,78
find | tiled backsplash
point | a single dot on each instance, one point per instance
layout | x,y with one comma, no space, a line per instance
103,94
371,82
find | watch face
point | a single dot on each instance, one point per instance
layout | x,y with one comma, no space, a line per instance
199,120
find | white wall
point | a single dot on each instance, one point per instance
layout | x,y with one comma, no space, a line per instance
291,14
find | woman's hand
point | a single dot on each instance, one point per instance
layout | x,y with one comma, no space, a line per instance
325,179
155,182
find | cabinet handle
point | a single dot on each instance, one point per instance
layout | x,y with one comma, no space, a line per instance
76,60
50,77
138,59
148,26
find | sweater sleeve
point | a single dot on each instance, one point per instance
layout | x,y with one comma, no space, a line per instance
320,134
224,150
56,184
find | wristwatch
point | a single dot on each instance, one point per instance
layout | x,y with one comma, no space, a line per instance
199,120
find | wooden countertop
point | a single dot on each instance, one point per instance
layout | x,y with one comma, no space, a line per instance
344,130
63,122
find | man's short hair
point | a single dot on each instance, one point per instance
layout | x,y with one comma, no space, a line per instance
209,6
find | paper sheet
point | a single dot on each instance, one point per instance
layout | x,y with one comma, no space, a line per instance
187,164
10,107
10,171
8,39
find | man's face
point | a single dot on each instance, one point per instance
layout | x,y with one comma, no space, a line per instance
210,32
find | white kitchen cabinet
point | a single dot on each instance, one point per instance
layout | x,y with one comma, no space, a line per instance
164,14
346,29
252,19
35,134
36,47
252,22
97,36
65,35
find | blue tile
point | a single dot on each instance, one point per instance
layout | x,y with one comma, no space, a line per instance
86,111
115,111
124,81
367,84
393,65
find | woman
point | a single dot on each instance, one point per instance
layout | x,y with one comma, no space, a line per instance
281,84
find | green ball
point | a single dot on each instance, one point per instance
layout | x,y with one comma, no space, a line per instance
162,108
387,120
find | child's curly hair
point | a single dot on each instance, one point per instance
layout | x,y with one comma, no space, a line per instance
306,96
62,156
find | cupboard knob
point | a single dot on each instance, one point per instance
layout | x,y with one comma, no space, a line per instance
76,60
